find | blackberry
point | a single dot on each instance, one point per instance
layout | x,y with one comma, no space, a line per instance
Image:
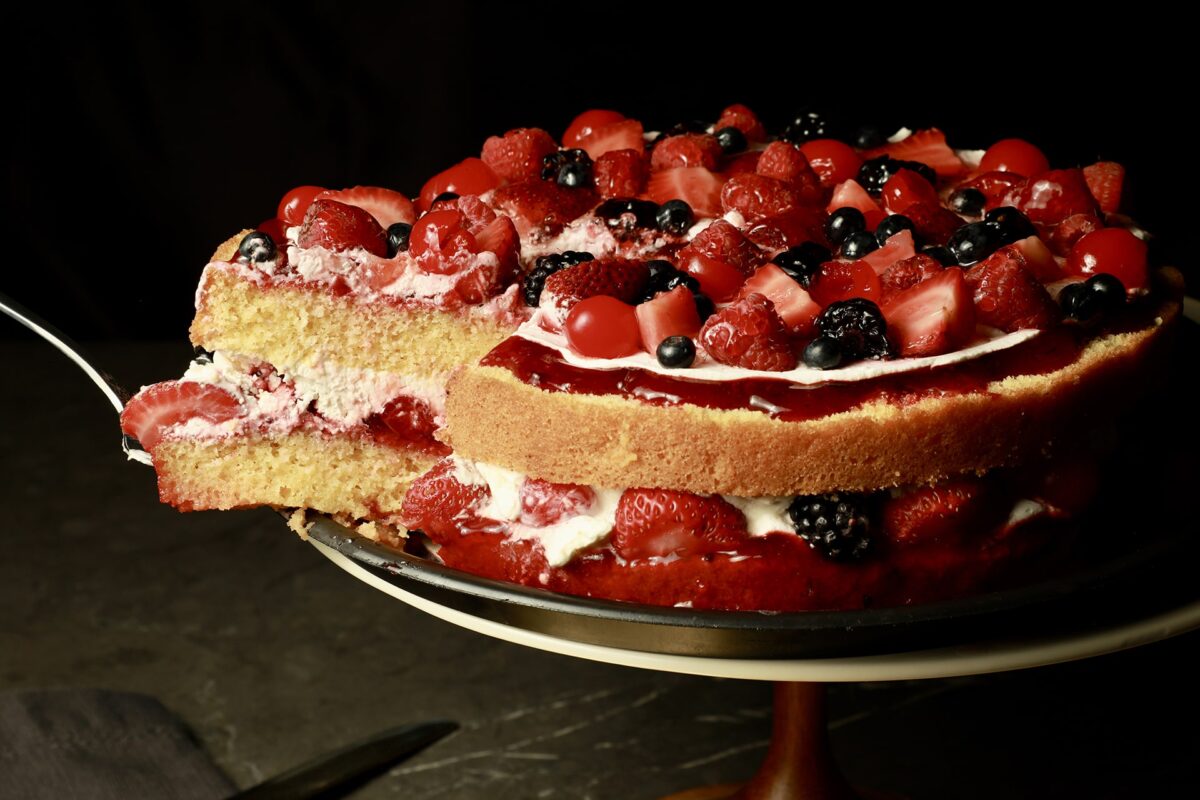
731,140
257,247
544,267
674,216
891,225
397,238
974,242
968,201
803,261
807,125
571,168
645,213
1011,224
823,352
874,173
858,245
676,352
833,524
844,223
858,326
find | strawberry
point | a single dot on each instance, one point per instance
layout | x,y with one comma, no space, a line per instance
155,408
615,277
792,302
934,513
469,176
849,194
756,197
500,237
517,155
1062,236
898,247
934,222
906,274
1051,197
671,313
696,186
926,146
783,162
994,185
623,135
801,224
749,334
933,317
441,242
582,126
384,205
725,243
337,226
619,173
906,188
544,503
655,523
412,421
541,205
843,280
1007,295
1039,260
1104,181
742,118
686,150
439,504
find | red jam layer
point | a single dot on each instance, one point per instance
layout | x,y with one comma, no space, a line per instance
543,367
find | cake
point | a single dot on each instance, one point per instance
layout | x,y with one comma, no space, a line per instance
704,367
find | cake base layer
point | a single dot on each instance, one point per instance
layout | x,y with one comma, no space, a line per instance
346,476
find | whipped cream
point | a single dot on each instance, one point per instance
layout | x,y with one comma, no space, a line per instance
706,369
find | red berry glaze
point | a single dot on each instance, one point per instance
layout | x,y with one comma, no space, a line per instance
603,327
1114,251
1014,155
749,334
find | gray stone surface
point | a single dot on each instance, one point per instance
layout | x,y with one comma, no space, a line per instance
272,655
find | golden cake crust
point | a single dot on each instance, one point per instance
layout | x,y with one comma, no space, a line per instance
609,441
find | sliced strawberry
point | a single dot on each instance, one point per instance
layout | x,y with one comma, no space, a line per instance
339,227
898,247
1051,197
1062,236
843,280
544,503
907,274
757,197
792,302
671,313
615,277
906,188
469,176
620,173
926,146
849,194
686,150
749,334
783,162
500,237
723,242
937,513
518,154
934,222
655,523
1104,181
834,162
802,224
154,409
994,185
583,125
1007,295
935,316
411,420
696,186
1039,260
384,205
541,205
439,504
623,135
742,118
441,243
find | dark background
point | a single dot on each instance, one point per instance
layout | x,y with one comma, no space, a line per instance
140,138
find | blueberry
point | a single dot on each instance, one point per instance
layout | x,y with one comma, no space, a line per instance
704,305
664,277
844,222
859,244
824,352
397,238
869,136
660,269
1080,303
676,352
574,174
645,212
807,125
675,216
943,254
445,196
257,247
731,140
1012,225
875,172
803,261
974,242
570,168
1109,289
891,225
968,201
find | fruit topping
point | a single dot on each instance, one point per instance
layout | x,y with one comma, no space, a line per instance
441,242
742,118
295,203
791,301
723,242
1007,295
857,245
1115,251
619,173
757,197
802,262
602,327
544,503
570,168
843,280
807,125
518,154
1104,181
834,525
676,352
696,186
1053,196
385,205
907,188
339,227
731,140
1090,300
823,352
940,253
993,185
843,223
674,216
587,123
784,162
686,150
670,314
968,201
1010,223
933,317
935,513
750,334
1014,155
906,274
541,205
441,505
618,278
858,326
412,420
926,147
892,224
934,224
655,523
624,215
849,194
257,247
833,161
398,234
896,247
623,135
664,277
544,267
974,242
154,409
469,176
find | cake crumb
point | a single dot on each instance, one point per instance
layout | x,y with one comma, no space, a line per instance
298,522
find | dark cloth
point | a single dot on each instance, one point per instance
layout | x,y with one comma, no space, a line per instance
90,744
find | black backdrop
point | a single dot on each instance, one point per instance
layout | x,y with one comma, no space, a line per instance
139,138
